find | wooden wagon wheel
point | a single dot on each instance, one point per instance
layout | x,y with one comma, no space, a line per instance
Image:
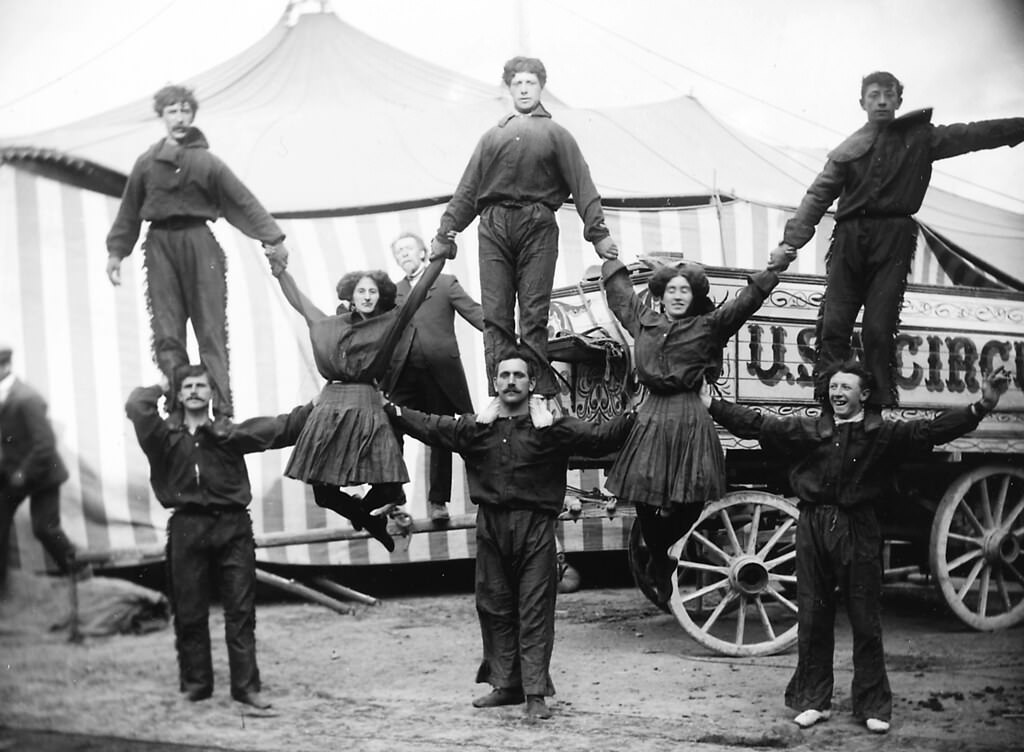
976,542
747,557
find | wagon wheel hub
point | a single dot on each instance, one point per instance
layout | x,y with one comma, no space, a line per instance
748,575
1001,545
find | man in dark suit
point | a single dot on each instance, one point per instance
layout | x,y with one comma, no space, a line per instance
29,467
426,371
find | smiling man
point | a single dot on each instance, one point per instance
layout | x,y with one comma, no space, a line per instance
880,175
841,466
178,186
522,171
516,475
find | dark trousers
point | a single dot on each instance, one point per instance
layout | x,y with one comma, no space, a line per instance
186,276
868,264
516,587
417,388
518,251
837,547
45,511
201,546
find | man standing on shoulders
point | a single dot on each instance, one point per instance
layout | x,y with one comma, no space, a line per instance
178,186
201,476
880,175
516,477
841,467
426,372
522,171
29,467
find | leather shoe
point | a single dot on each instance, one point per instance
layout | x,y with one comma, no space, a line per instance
439,511
537,708
500,696
198,694
378,528
252,698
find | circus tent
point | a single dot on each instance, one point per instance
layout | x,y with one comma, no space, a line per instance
350,142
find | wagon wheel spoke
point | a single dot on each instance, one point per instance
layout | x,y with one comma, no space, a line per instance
781,598
741,622
971,518
765,621
1015,572
986,504
731,532
711,546
986,574
772,563
971,577
719,610
755,523
1001,583
1012,516
965,539
1004,491
701,566
776,536
791,578
963,559
706,590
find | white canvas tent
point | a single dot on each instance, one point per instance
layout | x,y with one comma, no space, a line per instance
349,142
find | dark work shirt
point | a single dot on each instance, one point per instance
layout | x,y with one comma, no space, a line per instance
526,159
846,464
186,180
203,468
510,463
884,170
675,356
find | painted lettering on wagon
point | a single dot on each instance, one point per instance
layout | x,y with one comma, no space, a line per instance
782,357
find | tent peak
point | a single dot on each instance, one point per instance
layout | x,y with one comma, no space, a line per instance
297,8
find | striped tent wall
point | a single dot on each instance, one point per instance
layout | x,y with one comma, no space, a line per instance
85,345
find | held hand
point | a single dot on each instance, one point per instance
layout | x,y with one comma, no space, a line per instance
443,247
606,248
781,257
994,386
705,394
277,268
164,383
114,270
277,255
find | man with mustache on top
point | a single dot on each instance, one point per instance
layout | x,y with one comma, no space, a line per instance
178,186
516,473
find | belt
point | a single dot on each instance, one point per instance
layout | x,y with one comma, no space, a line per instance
177,223
210,510
866,214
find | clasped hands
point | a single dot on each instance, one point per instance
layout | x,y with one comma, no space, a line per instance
277,257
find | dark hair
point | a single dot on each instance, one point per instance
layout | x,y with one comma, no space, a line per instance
520,64
173,94
187,371
386,288
5,355
882,78
520,353
414,236
854,368
695,275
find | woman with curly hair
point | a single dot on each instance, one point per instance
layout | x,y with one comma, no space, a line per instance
672,461
347,439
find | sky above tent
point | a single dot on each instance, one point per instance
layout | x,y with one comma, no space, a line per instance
787,71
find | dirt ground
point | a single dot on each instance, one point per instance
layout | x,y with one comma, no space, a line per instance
399,676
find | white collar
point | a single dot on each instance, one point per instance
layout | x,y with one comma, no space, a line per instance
415,277
5,386
858,418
